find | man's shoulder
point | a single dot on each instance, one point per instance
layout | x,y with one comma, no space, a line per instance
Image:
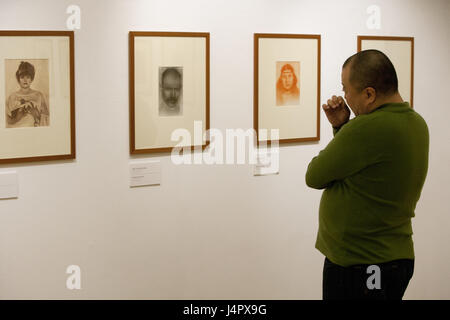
385,124
364,128
375,119
359,122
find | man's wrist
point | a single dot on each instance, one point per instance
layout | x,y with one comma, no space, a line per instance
337,128
340,125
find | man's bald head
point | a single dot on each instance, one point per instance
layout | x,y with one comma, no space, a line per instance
372,68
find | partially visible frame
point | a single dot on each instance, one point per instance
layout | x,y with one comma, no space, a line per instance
400,51
287,86
37,96
169,89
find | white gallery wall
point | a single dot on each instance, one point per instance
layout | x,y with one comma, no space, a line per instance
207,232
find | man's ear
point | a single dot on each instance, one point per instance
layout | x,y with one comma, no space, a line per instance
371,95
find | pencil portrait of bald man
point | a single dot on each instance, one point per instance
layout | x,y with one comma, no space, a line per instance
170,91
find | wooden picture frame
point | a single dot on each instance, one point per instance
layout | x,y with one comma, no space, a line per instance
37,96
290,103
169,88
400,50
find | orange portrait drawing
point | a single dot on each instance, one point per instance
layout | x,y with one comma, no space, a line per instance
287,86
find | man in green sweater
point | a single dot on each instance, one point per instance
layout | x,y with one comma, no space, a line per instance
373,172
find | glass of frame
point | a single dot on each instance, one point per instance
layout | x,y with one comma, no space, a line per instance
400,50
287,86
37,98
169,88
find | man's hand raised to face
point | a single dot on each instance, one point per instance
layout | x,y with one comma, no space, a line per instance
337,111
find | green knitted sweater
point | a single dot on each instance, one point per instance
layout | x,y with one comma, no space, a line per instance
373,172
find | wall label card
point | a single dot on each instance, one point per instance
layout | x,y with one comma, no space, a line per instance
267,162
145,173
9,185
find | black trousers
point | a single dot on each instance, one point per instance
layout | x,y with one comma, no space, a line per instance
383,281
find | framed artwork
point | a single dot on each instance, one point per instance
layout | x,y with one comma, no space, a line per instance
169,88
37,96
287,86
400,50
